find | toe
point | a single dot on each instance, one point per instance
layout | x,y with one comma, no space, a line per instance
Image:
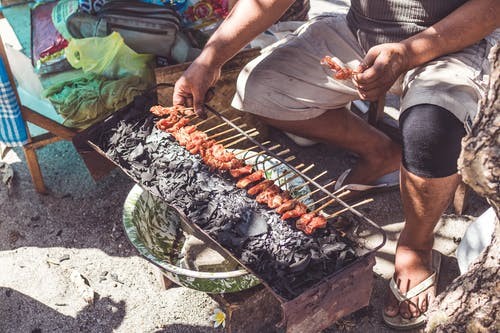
391,307
404,310
413,307
423,304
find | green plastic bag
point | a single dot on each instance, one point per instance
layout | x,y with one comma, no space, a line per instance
110,57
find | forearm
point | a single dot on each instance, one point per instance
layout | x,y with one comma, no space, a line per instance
465,26
247,20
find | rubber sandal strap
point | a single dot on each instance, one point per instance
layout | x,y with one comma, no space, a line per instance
415,291
340,181
422,286
384,181
396,292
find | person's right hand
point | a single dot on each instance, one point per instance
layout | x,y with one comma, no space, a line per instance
192,88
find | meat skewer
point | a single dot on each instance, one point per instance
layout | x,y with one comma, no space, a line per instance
215,155
220,125
341,72
256,189
253,177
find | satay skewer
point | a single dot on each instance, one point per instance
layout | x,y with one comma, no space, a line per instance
313,192
209,118
288,159
347,208
220,125
225,132
238,135
287,172
243,139
340,190
283,152
308,182
263,152
253,147
297,174
343,194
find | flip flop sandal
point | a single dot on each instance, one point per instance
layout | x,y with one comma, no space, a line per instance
386,182
400,323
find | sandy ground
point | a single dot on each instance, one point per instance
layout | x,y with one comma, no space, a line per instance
46,239
77,227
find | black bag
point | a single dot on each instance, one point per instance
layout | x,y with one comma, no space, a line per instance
145,27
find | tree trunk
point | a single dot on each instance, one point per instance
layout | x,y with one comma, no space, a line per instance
471,302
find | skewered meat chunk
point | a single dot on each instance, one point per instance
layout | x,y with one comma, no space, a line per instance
265,196
244,170
160,111
256,189
286,206
253,177
277,200
340,73
182,136
299,210
304,220
316,223
220,153
165,123
180,123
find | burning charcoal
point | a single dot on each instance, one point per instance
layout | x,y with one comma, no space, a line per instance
332,249
137,153
288,260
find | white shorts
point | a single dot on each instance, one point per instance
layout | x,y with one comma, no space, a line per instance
287,82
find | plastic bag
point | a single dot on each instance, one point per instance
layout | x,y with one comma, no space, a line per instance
110,57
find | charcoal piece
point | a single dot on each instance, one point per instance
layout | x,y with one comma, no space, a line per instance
137,153
332,249
252,225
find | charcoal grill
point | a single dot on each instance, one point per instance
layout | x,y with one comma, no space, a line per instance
333,296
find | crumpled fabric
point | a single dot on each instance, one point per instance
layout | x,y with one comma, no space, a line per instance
91,98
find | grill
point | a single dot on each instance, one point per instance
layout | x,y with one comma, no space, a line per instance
315,303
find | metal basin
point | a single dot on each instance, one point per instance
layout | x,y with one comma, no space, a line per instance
157,232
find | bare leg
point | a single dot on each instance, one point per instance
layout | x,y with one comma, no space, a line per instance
424,201
378,154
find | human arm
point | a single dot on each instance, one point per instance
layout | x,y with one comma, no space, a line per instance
246,20
384,63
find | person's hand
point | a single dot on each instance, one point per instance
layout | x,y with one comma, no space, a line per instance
193,88
381,67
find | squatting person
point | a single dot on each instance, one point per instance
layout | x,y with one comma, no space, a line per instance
432,53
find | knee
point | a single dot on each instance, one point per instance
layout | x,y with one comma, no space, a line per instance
431,140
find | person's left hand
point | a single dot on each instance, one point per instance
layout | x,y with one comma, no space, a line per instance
381,67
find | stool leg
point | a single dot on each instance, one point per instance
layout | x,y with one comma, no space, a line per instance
461,198
165,282
34,168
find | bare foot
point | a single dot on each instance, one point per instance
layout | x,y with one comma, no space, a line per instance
411,268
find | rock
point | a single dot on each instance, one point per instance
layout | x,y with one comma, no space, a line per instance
83,286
